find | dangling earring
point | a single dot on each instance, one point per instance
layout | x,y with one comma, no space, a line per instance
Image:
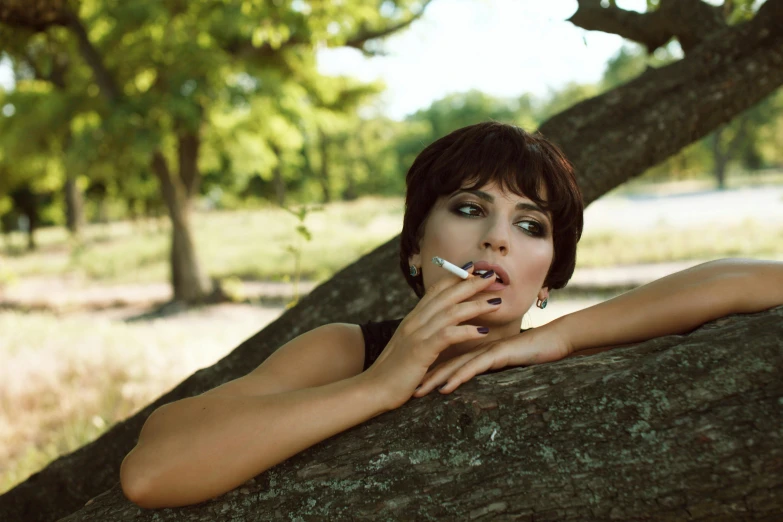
541,304
414,272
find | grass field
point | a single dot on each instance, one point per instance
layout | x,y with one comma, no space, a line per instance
65,380
253,245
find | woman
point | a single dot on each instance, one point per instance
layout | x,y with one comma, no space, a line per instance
490,197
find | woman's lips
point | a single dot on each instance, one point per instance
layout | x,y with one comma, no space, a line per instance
496,286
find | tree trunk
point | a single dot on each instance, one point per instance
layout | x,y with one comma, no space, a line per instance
74,206
676,428
26,202
324,172
74,201
643,122
649,466
722,152
31,228
350,193
188,282
278,180
719,159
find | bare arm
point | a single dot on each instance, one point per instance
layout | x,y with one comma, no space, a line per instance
197,448
676,304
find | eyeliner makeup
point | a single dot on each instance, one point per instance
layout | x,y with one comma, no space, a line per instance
454,269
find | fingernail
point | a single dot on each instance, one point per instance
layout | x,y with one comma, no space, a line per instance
483,329
441,387
488,274
495,300
417,388
467,265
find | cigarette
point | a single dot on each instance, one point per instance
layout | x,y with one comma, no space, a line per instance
454,269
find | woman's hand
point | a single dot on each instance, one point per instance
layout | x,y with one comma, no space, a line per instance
431,327
536,346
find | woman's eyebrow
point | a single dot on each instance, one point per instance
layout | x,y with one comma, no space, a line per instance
491,199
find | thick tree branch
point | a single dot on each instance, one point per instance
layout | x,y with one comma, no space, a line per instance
364,35
40,15
35,15
643,122
92,56
677,427
266,51
690,21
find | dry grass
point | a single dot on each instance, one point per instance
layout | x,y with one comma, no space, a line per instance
66,380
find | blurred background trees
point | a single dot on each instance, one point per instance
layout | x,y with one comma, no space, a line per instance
131,110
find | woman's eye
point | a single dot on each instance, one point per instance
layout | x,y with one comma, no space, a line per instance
470,210
532,227
461,208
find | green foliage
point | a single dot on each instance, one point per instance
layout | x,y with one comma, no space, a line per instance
243,75
295,248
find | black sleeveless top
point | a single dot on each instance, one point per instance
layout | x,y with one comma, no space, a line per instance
377,335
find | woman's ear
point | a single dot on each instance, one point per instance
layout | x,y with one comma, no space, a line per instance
415,260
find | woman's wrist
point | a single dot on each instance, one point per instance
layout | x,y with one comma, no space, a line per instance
367,387
560,329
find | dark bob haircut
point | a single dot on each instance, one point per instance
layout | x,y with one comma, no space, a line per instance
521,163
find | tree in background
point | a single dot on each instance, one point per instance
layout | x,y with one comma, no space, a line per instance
159,71
737,140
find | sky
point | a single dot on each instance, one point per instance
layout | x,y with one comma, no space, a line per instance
501,47
505,48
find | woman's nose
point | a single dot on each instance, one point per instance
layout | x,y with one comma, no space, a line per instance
496,237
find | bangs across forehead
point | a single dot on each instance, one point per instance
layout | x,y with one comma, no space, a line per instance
515,166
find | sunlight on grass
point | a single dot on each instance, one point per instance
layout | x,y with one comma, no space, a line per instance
248,244
67,380
252,245
748,239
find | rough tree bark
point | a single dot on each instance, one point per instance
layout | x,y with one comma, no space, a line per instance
655,115
674,452
676,428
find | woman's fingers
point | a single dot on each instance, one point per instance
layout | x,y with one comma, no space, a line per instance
454,316
442,285
450,296
444,371
485,361
451,374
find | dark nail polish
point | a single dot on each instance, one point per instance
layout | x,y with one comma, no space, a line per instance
488,274
483,329
467,265
495,300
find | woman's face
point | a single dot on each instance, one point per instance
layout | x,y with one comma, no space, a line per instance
497,227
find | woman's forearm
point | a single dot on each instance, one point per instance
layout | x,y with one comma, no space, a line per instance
676,304
197,448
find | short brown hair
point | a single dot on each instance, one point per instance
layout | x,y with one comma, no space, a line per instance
522,163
